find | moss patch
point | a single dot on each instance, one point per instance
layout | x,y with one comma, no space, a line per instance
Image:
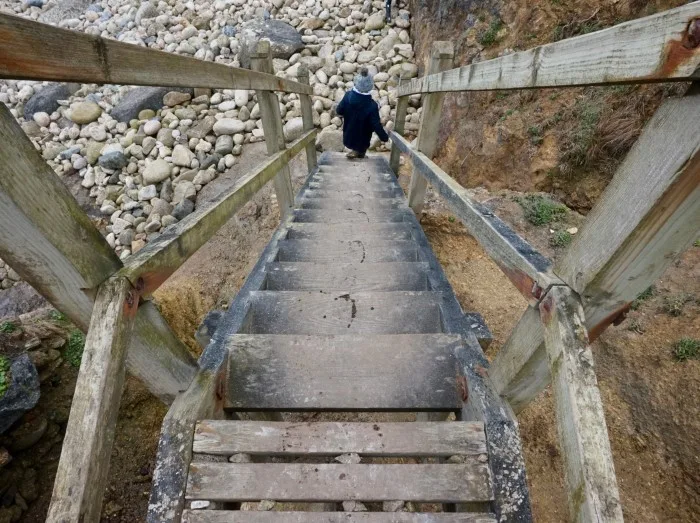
540,210
4,375
73,351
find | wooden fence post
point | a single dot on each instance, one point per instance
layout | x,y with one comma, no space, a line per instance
645,218
52,244
399,124
583,435
441,57
87,446
261,60
307,115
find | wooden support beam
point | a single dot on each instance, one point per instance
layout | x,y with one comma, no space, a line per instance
645,218
84,465
529,271
261,60
399,125
152,265
307,115
659,48
72,56
583,435
52,244
441,58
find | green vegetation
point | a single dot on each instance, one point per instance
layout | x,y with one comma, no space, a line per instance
674,304
57,316
696,243
4,375
686,348
535,133
489,36
8,327
560,239
540,210
73,351
643,296
451,219
636,326
582,139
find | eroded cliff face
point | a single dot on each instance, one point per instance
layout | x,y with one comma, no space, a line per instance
565,141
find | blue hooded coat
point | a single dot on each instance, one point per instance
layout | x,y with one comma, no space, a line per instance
361,115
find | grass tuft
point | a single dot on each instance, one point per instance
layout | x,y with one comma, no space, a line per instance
674,304
560,239
686,348
57,316
4,375
73,351
490,35
8,327
540,210
643,296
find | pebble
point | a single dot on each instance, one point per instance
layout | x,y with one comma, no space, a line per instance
151,127
84,112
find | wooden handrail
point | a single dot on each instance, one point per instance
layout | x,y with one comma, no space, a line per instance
659,48
33,51
152,265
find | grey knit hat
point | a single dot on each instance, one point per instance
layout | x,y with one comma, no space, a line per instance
363,82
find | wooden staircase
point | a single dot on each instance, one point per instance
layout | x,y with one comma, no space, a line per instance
346,320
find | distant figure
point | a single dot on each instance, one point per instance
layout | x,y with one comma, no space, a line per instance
361,115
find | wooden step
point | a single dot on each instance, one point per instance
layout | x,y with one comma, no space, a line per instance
360,176
355,194
390,439
352,184
344,373
303,482
351,277
348,251
313,312
343,216
236,516
354,231
347,204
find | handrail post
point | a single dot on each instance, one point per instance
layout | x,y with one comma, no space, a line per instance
399,124
441,57
261,60
307,116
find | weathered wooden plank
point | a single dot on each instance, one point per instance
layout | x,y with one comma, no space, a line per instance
333,439
308,312
343,372
348,204
527,269
583,435
84,464
53,245
350,231
352,216
152,265
199,401
645,218
352,277
261,60
354,194
307,116
237,516
399,125
658,48
441,58
354,251
323,482
72,56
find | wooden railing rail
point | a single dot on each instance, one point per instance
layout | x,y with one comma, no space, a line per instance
660,48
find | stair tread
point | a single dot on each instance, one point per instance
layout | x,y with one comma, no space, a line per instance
381,276
344,372
352,216
354,231
358,251
353,194
348,204
237,516
393,439
299,482
313,312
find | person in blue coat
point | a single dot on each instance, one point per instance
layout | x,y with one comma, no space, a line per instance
361,115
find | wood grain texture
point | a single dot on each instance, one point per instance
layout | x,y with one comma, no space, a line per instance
399,125
352,251
87,446
160,258
352,277
349,231
441,58
222,516
351,204
354,195
47,238
652,49
583,435
261,60
351,216
72,56
309,312
324,482
527,269
333,439
346,372
307,116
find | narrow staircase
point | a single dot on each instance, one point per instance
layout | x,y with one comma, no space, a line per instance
350,313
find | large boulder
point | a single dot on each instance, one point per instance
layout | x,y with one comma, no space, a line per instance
140,98
22,391
46,100
330,139
284,39
293,129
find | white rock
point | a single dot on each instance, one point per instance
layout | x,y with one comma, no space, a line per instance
147,193
151,127
293,129
156,171
241,97
229,126
182,156
42,119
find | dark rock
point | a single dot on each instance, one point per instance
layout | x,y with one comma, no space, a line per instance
208,327
114,161
22,392
284,39
140,98
46,100
208,161
34,3
183,208
20,299
229,30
